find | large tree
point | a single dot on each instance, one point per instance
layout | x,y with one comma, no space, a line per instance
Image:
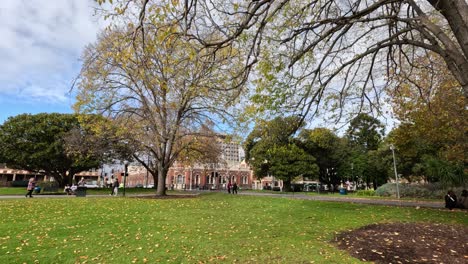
37,143
433,125
364,136
289,161
158,86
315,51
276,132
329,150
271,150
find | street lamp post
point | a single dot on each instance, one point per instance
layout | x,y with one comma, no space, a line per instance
125,176
101,179
394,168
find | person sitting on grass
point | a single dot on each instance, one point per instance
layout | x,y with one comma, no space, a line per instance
463,202
73,188
67,189
450,200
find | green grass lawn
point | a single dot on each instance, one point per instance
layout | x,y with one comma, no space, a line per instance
213,228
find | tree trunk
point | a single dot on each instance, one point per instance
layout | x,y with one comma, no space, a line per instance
162,174
455,12
61,178
155,180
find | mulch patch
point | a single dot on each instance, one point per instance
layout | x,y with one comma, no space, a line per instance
407,243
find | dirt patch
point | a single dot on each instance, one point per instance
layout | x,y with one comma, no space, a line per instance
407,243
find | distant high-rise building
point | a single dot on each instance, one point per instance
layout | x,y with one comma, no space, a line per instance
230,151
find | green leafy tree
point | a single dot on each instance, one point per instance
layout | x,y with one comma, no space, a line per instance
271,150
364,136
37,143
447,173
276,132
289,161
379,166
329,151
365,132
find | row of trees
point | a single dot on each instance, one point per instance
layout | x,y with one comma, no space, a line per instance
282,147
61,145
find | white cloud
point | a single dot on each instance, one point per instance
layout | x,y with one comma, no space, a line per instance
41,43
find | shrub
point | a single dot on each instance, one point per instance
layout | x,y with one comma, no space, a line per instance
49,186
387,189
19,183
431,190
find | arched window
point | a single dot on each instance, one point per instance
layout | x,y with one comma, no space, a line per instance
244,180
180,179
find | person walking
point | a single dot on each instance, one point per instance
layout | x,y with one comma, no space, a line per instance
229,186
31,186
234,188
115,187
110,184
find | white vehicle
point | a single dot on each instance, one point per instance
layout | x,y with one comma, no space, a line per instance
91,185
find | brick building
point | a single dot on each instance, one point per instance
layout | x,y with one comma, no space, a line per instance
209,176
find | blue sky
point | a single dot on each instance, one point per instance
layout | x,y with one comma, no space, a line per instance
41,44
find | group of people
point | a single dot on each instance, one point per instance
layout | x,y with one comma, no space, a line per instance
113,184
451,200
232,187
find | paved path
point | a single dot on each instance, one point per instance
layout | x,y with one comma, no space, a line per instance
330,198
